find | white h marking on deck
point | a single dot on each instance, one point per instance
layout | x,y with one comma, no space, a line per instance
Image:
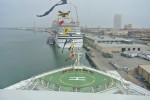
77,78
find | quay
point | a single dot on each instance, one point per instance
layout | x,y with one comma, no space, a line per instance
104,64
95,61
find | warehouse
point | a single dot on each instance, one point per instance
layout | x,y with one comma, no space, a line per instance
106,39
144,71
117,48
113,44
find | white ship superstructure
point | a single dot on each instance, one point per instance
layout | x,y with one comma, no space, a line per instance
74,34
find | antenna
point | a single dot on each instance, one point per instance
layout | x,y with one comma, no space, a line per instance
76,12
70,11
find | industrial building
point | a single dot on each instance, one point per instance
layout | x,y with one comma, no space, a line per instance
119,32
144,71
113,44
106,39
116,48
128,27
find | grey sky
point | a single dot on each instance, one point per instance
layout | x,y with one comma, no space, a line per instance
22,13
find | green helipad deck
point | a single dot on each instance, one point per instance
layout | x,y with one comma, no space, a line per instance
73,79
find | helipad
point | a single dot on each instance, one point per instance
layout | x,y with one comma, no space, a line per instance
77,79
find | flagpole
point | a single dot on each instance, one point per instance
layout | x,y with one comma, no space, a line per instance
76,12
71,11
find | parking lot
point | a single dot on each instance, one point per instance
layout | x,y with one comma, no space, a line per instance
121,61
130,63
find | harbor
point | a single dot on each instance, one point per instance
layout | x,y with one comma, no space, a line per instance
123,65
72,49
25,54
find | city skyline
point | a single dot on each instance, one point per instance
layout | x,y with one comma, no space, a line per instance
91,13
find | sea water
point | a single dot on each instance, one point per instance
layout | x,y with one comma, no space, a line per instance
24,54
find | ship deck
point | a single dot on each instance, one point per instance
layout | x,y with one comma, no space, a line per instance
82,80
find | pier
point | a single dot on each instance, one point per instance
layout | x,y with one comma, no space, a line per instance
117,63
94,62
95,59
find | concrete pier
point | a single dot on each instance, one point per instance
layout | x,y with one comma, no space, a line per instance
95,61
102,63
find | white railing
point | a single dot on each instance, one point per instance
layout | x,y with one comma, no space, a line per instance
131,86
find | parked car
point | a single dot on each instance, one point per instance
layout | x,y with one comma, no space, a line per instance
126,69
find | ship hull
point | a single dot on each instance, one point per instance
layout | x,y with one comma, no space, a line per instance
78,43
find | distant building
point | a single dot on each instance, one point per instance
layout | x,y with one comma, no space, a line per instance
128,27
119,32
117,21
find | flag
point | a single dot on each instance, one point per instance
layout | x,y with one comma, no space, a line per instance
76,60
67,41
64,45
71,46
61,22
63,14
62,2
72,50
66,30
72,55
67,60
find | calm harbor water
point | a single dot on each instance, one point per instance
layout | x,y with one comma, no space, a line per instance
24,54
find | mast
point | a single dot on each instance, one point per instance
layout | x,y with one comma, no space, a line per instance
78,57
76,12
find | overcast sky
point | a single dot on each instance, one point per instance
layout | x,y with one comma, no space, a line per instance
22,13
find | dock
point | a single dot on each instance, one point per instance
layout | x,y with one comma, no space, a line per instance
117,63
94,60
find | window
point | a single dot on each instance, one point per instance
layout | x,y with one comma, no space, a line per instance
123,49
128,49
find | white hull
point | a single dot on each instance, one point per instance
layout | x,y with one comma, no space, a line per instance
73,35
61,45
77,44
